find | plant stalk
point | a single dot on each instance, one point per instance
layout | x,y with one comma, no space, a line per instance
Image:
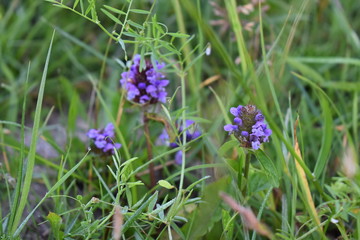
246,172
149,149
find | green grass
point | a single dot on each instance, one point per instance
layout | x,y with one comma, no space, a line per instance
299,64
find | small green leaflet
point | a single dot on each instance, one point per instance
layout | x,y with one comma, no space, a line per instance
165,184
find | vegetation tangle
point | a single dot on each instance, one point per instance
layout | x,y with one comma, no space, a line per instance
179,119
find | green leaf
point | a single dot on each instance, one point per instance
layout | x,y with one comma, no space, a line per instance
227,146
191,186
134,24
140,11
345,86
136,214
131,34
75,3
152,203
179,35
115,10
258,181
209,211
228,224
306,70
165,184
268,166
112,17
55,223
327,137
122,44
161,208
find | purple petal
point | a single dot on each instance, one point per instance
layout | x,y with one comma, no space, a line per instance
109,130
253,138
259,117
137,59
163,138
151,89
173,145
142,85
178,158
163,83
160,65
244,133
196,134
92,133
267,132
234,111
188,123
100,143
108,147
255,145
132,92
162,97
144,99
230,127
238,121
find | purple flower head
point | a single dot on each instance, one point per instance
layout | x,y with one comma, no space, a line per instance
190,133
144,86
102,139
249,126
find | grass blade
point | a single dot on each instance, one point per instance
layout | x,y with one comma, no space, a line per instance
304,185
32,152
22,157
327,137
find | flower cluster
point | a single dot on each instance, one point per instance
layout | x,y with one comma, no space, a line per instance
144,86
249,126
102,139
190,135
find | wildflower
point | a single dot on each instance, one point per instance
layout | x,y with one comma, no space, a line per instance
190,135
249,126
144,86
102,139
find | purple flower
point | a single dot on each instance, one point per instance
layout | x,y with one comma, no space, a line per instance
189,133
144,86
249,126
102,139
178,157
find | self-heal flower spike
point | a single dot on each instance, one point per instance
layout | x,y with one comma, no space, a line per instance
102,139
190,135
144,86
249,126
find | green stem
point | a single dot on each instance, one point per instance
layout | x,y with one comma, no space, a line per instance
246,172
149,150
240,171
125,20
183,103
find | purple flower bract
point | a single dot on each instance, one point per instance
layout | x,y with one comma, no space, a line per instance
102,139
249,126
144,86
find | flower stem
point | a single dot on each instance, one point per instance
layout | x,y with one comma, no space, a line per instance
149,149
246,172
